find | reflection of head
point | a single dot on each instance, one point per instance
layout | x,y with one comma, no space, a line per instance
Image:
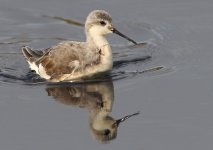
106,131
105,128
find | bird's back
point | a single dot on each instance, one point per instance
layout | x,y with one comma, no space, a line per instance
64,58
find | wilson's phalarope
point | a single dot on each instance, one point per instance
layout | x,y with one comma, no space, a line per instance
71,60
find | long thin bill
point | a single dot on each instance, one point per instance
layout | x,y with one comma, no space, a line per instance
122,35
125,118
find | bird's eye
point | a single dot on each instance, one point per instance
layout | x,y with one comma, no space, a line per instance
106,132
102,23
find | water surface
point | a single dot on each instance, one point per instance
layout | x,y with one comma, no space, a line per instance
169,80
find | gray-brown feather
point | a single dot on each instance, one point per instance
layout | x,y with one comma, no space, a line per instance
58,60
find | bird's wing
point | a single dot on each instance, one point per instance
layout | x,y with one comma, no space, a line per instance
61,59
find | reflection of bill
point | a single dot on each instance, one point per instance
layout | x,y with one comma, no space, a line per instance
98,99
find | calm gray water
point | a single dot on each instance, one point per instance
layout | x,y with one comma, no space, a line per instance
174,98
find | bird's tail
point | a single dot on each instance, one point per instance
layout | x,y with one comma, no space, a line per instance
31,55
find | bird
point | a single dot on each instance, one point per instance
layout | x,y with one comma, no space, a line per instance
73,60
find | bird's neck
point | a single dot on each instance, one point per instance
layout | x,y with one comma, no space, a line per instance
96,40
100,43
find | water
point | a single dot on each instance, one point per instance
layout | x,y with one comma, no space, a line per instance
169,80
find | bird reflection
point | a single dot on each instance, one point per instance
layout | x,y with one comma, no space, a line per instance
98,98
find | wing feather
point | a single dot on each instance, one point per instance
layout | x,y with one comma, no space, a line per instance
62,59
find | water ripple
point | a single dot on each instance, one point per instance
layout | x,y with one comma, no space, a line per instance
129,60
